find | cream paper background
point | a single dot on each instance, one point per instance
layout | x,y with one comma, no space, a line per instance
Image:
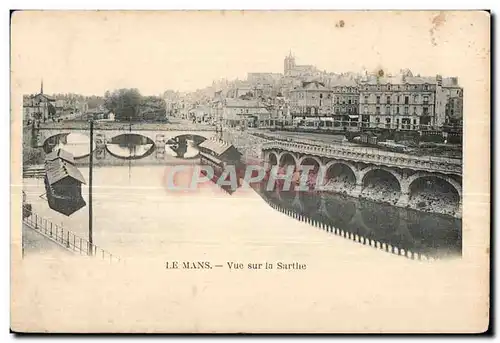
362,291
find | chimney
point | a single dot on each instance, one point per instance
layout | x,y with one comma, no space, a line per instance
439,80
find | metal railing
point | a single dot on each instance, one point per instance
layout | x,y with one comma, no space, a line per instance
125,126
64,237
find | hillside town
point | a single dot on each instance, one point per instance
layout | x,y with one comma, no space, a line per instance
304,96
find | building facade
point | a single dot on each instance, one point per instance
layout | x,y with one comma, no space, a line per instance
245,113
406,103
454,96
39,106
311,99
345,96
334,106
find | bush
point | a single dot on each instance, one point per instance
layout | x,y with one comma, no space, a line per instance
32,156
26,210
436,138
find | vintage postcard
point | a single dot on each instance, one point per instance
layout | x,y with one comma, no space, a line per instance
250,171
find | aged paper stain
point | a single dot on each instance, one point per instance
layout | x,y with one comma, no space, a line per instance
437,22
340,24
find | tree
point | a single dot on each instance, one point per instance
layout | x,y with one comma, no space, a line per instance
124,103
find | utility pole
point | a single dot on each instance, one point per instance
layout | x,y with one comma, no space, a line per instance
91,162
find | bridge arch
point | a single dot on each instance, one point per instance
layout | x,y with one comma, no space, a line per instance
52,138
441,193
364,172
130,146
271,158
380,183
76,143
339,175
311,158
288,158
418,175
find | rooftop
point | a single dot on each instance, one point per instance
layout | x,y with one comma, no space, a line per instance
59,169
218,147
343,82
243,103
60,154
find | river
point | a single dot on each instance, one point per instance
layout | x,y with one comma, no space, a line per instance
135,214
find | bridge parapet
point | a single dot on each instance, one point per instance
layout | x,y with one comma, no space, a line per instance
103,135
375,156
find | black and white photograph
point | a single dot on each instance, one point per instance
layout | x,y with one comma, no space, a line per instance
190,171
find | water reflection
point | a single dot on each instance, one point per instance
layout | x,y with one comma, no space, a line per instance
186,148
395,229
75,143
130,146
130,151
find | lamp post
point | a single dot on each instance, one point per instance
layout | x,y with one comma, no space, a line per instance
91,162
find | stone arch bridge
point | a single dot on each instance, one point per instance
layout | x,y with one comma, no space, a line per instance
360,165
103,135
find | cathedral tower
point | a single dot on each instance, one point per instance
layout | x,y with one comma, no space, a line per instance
289,63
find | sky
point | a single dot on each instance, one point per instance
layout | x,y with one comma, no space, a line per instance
91,52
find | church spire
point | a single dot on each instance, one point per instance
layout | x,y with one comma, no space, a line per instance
41,87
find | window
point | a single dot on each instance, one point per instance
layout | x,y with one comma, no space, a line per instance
377,110
389,87
407,100
320,95
366,109
366,99
414,109
397,110
399,99
406,110
388,99
378,99
394,110
329,96
426,87
377,120
426,99
426,111
388,110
